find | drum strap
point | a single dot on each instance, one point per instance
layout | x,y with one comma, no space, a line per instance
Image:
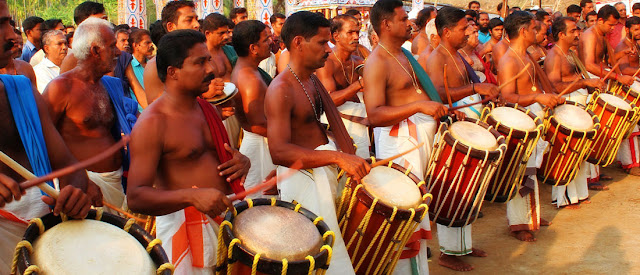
336,125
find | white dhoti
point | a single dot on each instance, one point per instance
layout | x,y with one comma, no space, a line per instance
110,184
455,240
391,140
629,151
358,132
317,191
523,211
255,147
190,253
473,111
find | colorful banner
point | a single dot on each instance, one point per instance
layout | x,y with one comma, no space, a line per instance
264,10
289,7
417,5
133,13
238,3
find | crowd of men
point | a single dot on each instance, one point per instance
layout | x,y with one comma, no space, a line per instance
309,89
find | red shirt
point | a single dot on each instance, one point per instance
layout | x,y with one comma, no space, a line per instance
615,36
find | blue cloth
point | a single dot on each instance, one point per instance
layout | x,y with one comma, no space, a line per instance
25,114
483,38
28,51
138,70
121,68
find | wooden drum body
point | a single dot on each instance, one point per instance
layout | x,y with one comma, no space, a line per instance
100,244
617,118
570,130
630,94
462,162
521,129
269,236
381,212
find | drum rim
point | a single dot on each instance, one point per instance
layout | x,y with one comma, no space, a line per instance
476,153
628,89
267,265
567,131
618,111
503,129
32,233
383,209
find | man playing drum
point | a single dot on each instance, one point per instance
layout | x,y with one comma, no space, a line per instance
294,102
561,69
523,211
252,43
177,144
37,148
464,88
343,83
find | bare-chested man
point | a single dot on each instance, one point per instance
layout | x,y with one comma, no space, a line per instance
342,81
293,106
34,143
524,209
434,42
562,70
421,41
216,28
496,28
537,50
89,109
83,11
628,49
452,25
175,153
252,41
593,49
398,94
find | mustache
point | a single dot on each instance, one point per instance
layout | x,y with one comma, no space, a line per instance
7,46
209,78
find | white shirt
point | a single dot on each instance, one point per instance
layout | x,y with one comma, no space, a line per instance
37,58
45,72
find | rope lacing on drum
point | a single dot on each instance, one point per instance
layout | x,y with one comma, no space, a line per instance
327,234
362,227
232,261
14,264
317,220
384,227
297,208
127,226
31,269
329,256
249,203
221,253
99,212
152,244
38,222
273,201
312,264
254,266
285,266
166,266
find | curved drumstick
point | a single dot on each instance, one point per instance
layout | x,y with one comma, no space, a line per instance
612,69
387,160
471,104
268,183
636,73
566,89
526,67
446,86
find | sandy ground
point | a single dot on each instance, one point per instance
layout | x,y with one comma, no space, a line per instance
601,237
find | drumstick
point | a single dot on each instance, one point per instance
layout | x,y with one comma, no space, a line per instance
387,160
471,104
15,166
526,67
446,86
568,87
268,183
636,73
612,69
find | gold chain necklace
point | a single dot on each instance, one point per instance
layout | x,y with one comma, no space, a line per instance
533,78
412,76
349,80
455,63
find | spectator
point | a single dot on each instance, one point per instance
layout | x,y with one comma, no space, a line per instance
483,25
32,27
55,49
544,17
47,25
421,41
122,40
277,21
574,11
635,9
617,34
69,29
88,9
238,15
474,5
69,40
592,17
157,31
587,7
142,48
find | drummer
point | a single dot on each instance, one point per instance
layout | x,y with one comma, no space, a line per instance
342,81
294,103
524,209
175,146
463,87
561,70
27,145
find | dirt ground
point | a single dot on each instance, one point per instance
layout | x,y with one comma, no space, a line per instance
601,237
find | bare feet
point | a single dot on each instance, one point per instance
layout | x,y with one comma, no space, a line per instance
605,177
475,252
571,206
634,171
524,235
454,263
544,222
597,186
585,201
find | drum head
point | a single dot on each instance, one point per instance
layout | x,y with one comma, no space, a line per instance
473,135
615,101
513,118
90,247
392,187
277,233
573,117
635,86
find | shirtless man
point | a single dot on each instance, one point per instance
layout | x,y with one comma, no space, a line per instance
395,97
217,30
561,70
496,28
83,11
629,47
338,77
593,49
174,153
90,110
252,42
537,50
176,15
18,206
523,210
421,41
452,25
293,106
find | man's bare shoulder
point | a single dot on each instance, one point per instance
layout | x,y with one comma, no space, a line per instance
507,61
622,46
151,66
587,36
153,117
377,59
63,83
247,77
280,86
435,56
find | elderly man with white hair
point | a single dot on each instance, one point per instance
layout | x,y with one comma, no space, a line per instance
89,109
55,49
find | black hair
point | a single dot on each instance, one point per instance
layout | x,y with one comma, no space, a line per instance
50,24
471,13
137,35
499,7
448,17
214,21
633,20
514,22
607,11
174,48
31,22
636,6
235,11
540,14
246,33
86,9
574,9
560,26
423,16
381,10
275,17
583,3
338,21
170,11
353,12
303,23
122,27
495,22
157,31
473,2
